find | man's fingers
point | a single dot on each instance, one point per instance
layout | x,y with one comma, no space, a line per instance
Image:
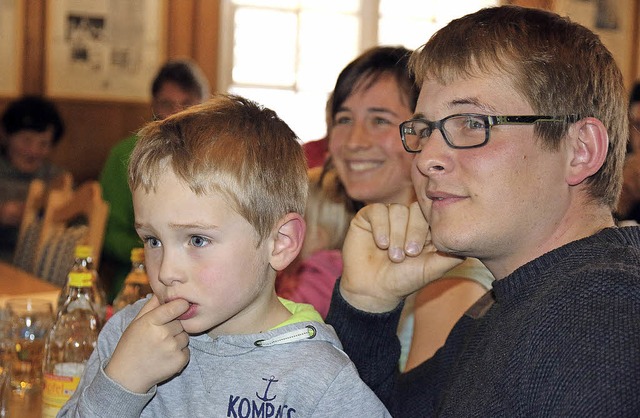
418,233
373,218
397,228
409,231
398,218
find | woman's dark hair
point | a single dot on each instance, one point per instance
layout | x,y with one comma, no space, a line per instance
32,113
369,67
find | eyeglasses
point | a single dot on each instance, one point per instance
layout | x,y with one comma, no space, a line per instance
465,130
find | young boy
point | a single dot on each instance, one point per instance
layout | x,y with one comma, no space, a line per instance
219,191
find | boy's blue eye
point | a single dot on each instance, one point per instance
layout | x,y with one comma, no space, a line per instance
152,242
198,241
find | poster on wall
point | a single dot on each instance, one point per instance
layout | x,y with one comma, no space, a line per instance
11,17
103,49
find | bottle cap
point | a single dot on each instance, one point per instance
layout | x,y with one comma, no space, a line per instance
83,251
137,255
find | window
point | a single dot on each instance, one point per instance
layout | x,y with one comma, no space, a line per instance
287,54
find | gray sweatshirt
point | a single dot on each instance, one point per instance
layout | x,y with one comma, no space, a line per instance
298,370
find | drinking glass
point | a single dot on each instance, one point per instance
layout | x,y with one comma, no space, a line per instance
31,320
5,362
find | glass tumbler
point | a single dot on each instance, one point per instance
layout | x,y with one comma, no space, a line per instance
31,320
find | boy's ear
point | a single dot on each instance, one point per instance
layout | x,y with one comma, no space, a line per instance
588,147
288,240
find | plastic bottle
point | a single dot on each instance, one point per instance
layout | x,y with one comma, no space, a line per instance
136,284
70,341
84,263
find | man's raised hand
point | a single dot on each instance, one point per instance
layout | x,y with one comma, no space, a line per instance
388,255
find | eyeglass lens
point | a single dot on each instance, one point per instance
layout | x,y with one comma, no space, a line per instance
458,130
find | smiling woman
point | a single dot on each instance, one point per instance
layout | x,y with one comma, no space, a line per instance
372,96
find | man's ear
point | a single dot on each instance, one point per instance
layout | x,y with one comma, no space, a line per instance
287,241
588,144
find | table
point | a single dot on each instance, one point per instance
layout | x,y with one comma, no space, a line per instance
15,282
25,406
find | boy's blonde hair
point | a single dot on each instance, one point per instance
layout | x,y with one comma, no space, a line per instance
327,207
228,145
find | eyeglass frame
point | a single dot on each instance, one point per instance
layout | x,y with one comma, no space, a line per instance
489,121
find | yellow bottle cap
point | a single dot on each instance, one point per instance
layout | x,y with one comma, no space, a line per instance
83,251
137,255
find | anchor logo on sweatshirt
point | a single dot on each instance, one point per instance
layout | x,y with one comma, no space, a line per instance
264,397
263,406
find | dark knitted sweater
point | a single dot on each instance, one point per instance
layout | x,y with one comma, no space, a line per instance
560,336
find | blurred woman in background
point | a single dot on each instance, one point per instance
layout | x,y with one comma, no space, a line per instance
31,128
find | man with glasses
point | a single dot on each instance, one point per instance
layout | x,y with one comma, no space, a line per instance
519,139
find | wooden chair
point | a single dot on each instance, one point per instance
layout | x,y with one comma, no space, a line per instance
31,224
70,219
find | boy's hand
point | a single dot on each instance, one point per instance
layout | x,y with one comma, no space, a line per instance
153,348
388,255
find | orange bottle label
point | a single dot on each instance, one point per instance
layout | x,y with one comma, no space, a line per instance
57,391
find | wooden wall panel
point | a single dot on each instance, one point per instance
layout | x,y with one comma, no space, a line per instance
635,69
180,28
206,38
33,61
193,32
92,129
